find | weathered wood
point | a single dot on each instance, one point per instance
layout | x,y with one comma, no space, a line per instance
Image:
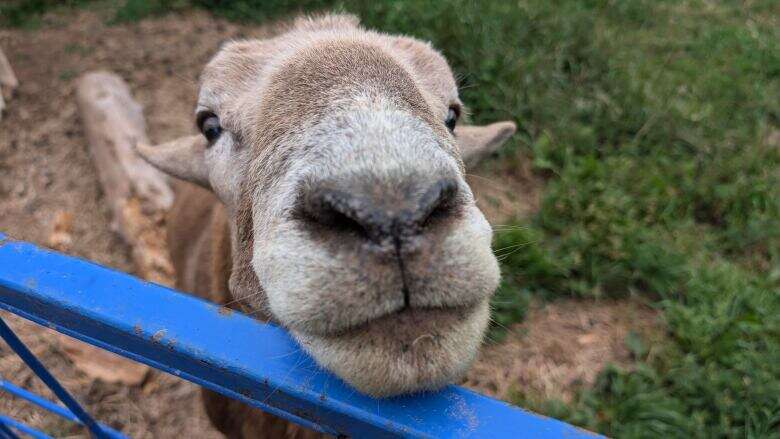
7,77
138,194
8,81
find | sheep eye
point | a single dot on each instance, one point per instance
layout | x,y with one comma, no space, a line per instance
452,118
208,124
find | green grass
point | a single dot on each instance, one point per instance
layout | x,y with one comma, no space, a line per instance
650,121
26,13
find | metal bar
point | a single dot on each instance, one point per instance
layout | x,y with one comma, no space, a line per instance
6,432
235,355
10,422
48,405
39,401
33,363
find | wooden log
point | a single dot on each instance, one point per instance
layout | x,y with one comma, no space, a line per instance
139,195
8,81
7,76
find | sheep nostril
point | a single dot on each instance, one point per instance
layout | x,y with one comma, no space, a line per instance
377,217
437,201
333,209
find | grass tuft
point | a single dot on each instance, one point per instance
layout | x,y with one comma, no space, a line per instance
26,13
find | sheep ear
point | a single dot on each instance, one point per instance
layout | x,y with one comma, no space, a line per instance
478,142
182,158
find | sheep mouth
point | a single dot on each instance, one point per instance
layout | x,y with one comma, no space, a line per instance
410,324
411,350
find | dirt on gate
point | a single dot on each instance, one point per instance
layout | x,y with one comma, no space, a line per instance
50,195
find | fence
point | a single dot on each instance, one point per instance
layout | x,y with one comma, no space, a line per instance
227,352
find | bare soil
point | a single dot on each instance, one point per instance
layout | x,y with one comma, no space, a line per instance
50,195
559,348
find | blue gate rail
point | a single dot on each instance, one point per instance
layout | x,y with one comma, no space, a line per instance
235,355
52,408
73,413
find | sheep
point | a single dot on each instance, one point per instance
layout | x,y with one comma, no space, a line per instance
330,199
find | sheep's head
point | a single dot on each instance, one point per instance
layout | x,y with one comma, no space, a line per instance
337,154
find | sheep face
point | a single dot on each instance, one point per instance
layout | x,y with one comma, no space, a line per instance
336,154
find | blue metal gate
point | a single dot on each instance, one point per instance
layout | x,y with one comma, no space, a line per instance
225,351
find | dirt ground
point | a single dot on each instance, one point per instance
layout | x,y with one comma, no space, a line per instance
46,174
